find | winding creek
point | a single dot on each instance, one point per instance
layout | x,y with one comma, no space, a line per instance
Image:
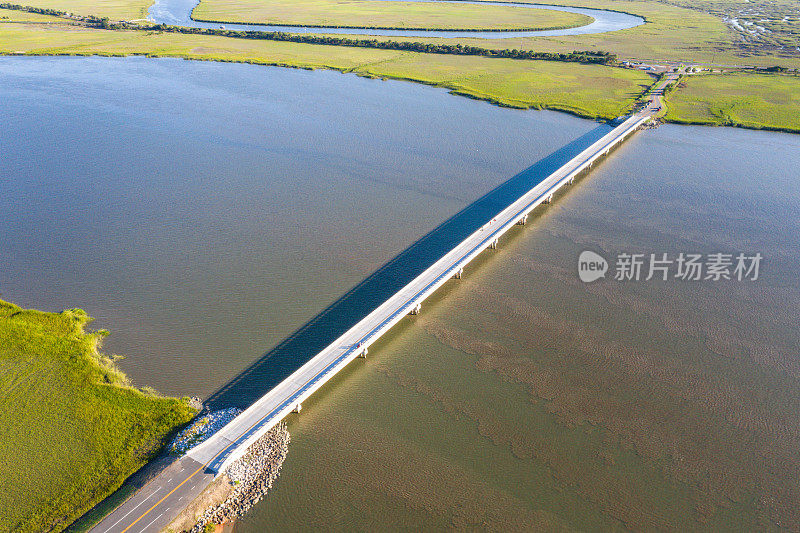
178,13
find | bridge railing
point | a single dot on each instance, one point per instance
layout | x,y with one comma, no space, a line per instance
401,303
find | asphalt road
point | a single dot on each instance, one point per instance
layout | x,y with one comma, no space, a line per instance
156,504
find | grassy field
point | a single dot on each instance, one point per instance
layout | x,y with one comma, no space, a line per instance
691,31
113,9
748,100
383,14
672,33
71,429
14,15
586,90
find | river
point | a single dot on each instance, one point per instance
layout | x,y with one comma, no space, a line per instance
203,212
178,13
524,399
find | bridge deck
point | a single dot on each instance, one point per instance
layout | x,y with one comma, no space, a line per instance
232,440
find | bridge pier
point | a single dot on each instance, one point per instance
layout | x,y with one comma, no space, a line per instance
549,199
416,309
523,220
363,354
297,408
459,274
494,244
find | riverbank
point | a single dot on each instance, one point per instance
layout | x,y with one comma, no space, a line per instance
586,90
516,78
72,428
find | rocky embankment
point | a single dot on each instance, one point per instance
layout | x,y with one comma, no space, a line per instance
251,477
652,124
205,425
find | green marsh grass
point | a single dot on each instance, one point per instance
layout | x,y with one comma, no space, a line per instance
744,99
72,428
383,14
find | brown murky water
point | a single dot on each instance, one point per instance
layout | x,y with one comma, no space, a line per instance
524,399
203,212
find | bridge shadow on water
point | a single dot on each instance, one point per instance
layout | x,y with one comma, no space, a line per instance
277,364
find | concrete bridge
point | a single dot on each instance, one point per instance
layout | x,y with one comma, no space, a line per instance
154,506
231,441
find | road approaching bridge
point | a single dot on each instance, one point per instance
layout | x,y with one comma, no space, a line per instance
156,505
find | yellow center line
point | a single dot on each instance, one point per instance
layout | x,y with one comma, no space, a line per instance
193,473
164,498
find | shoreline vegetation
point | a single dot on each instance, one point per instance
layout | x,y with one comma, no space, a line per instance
581,56
585,87
541,79
576,56
70,411
593,87
607,109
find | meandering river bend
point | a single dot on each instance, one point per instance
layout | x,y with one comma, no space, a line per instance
178,13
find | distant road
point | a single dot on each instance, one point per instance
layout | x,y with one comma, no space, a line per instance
159,502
